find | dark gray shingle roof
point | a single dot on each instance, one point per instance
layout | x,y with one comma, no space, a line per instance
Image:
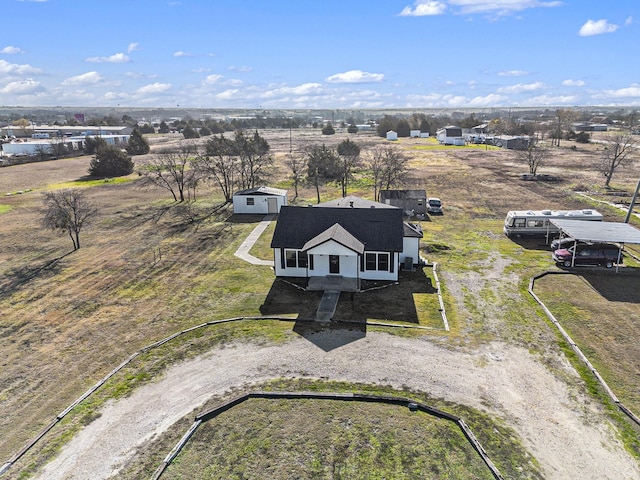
379,229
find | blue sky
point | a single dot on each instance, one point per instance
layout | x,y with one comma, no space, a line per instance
320,54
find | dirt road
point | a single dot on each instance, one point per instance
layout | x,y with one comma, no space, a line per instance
567,432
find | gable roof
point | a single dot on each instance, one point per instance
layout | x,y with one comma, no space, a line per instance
262,191
378,229
339,235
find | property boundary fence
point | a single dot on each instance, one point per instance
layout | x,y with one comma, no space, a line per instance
632,416
348,397
7,465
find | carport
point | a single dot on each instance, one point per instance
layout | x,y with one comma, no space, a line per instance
598,232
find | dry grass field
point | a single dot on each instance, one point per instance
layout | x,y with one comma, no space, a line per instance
145,271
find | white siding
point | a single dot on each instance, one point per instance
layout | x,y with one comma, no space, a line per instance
286,271
260,203
348,266
410,248
382,274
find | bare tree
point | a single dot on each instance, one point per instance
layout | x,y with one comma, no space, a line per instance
170,170
296,165
68,211
389,167
219,164
534,155
563,120
349,153
322,166
255,160
616,152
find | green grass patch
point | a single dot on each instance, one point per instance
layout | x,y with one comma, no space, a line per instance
93,182
334,439
5,208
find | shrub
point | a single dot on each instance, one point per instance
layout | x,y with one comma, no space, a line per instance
110,161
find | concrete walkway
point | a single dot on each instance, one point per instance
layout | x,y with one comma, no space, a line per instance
245,247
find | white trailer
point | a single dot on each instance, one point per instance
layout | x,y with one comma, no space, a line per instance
535,223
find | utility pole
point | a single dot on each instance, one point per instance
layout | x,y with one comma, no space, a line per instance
633,202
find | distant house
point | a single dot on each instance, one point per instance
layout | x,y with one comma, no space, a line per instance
392,135
511,142
414,133
410,201
346,238
259,200
450,135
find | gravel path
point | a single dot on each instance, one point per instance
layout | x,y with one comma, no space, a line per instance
567,433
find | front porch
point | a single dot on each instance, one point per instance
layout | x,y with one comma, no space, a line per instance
336,283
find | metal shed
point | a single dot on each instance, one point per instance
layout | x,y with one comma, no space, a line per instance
599,232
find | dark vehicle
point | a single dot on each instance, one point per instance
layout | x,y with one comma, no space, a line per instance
604,254
565,242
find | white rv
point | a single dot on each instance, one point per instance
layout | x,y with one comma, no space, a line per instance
536,223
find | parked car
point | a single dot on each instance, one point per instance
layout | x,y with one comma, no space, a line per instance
434,205
605,254
565,242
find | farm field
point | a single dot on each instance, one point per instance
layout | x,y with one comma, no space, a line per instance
147,270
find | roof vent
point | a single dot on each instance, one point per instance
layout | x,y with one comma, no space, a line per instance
587,212
546,212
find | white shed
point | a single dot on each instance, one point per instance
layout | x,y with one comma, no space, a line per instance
260,200
414,133
450,135
392,135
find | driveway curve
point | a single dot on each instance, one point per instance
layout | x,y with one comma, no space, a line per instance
558,423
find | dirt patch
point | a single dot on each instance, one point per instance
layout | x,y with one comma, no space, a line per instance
502,380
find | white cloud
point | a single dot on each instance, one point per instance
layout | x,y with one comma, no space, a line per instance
500,7
201,70
513,73
304,89
11,50
355,76
628,21
116,58
227,94
154,88
133,46
212,79
573,83
423,9
550,100
180,53
521,87
242,68
487,101
631,91
89,78
597,28
22,87
7,68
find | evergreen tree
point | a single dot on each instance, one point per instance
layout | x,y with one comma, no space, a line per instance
110,161
137,145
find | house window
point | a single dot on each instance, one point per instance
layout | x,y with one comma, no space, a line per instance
383,261
302,259
295,259
377,261
251,201
291,256
370,261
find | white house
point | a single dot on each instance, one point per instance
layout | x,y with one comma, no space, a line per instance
259,200
346,238
392,135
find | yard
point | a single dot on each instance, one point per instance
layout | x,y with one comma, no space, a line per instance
146,271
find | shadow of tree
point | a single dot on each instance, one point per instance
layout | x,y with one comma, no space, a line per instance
20,276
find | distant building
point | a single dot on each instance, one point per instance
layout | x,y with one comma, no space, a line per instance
260,200
410,201
392,135
450,135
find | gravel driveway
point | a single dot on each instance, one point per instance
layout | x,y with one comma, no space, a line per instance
564,429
